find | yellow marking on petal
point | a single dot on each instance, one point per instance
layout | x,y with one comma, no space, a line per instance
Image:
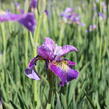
63,65
2,12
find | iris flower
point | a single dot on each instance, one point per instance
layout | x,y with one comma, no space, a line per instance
70,16
53,54
27,20
102,16
33,4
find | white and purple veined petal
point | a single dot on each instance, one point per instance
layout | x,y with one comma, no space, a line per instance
46,50
30,70
30,73
64,50
51,51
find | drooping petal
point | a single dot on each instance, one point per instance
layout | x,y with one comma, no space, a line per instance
30,72
63,71
32,62
46,50
27,20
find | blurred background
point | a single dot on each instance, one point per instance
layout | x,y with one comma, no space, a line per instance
90,34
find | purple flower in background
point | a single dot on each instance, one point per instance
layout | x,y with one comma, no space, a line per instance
46,12
17,5
27,20
53,55
70,16
33,4
102,15
18,9
92,27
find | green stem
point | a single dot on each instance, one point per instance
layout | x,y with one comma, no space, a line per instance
61,36
4,43
26,47
36,40
50,80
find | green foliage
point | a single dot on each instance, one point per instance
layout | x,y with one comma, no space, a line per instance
18,46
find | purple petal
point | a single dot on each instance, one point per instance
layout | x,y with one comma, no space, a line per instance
27,20
67,12
33,4
68,48
32,62
30,71
63,71
45,52
102,15
31,74
10,17
65,49
46,49
70,63
92,27
46,12
17,5
49,43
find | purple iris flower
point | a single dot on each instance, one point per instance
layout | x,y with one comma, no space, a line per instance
53,54
17,5
92,27
27,20
70,16
102,15
33,4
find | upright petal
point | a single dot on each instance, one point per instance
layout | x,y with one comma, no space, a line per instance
45,53
46,50
49,43
63,71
